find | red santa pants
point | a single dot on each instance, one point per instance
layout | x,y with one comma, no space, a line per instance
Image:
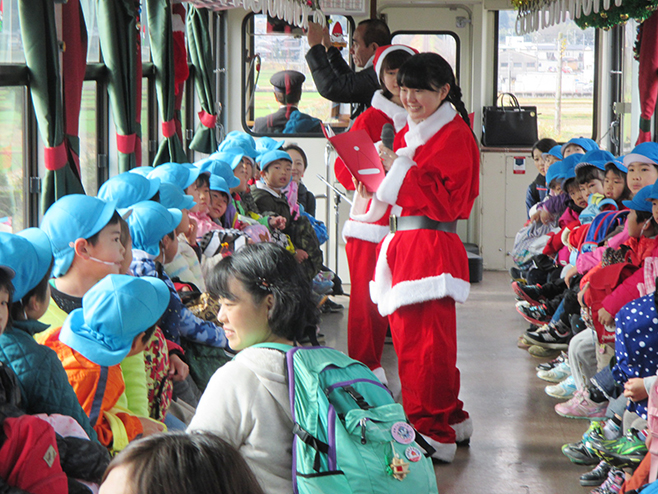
366,328
425,340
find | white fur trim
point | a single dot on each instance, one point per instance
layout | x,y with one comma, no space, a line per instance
444,451
390,187
364,231
390,298
463,430
420,133
395,112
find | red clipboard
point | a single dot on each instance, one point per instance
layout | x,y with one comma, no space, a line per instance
360,156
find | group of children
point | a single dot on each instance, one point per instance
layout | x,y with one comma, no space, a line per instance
585,280
108,331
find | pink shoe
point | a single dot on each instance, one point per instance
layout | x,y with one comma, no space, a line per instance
581,407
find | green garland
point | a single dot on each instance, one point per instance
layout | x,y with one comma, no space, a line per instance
640,10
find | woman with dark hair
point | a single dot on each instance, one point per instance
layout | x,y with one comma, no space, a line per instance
265,297
178,463
366,328
538,189
422,268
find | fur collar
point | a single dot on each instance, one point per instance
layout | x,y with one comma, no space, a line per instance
395,112
420,133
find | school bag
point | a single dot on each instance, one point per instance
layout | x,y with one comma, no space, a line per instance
601,227
349,435
595,204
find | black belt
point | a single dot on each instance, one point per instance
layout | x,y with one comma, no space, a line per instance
403,223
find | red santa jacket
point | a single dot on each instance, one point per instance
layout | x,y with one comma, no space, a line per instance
369,220
436,175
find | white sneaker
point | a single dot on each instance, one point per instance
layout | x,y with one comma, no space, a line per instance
557,374
380,373
444,452
563,390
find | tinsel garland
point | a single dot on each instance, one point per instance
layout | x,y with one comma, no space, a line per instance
640,10
295,12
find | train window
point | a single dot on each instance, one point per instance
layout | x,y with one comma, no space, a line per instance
93,39
273,46
12,159
88,138
445,44
11,43
552,69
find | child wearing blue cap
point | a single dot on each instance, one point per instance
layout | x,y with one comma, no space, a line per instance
276,173
578,145
44,385
85,235
118,317
642,164
614,185
129,188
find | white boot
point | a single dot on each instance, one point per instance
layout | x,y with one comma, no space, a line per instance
444,451
381,375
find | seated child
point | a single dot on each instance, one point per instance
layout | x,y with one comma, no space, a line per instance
642,164
299,164
276,171
44,385
538,189
117,319
578,145
615,186
205,464
128,188
265,298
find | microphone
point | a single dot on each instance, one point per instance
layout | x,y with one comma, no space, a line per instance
388,135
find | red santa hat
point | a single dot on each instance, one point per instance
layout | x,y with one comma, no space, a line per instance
383,51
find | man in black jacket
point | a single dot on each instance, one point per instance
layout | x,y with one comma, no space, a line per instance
333,77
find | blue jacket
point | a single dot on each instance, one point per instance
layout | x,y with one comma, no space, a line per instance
44,384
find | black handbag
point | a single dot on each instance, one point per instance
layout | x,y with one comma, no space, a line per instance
512,125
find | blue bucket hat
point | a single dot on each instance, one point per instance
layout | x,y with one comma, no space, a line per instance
172,196
240,140
618,163
33,271
597,158
27,255
70,218
114,312
265,144
220,168
218,184
569,167
231,156
149,223
642,200
555,151
271,156
128,188
583,142
142,170
647,152
556,171
175,173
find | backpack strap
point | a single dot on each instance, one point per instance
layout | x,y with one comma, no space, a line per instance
313,442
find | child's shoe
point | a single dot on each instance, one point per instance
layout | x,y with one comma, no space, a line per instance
517,275
552,363
534,314
596,476
541,352
628,450
557,374
529,293
556,337
581,407
612,484
563,390
580,454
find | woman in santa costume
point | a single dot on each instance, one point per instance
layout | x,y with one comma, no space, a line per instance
366,328
422,267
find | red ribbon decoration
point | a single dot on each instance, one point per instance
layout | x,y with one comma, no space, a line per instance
55,158
126,144
169,128
207,119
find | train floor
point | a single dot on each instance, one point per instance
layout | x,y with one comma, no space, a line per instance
515,447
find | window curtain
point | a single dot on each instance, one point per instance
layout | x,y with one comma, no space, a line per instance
39,32
119,38
200,52
161,34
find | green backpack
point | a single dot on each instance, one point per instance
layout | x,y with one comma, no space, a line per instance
349,434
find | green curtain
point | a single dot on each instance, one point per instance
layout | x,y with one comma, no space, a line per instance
200,52
162,52
119,39
41,47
